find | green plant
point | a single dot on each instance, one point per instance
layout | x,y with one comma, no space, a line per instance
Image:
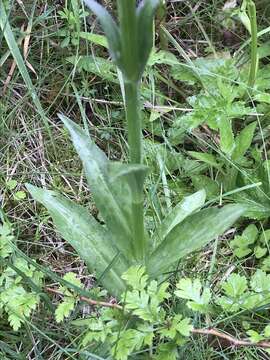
118,188
145,324
71,30
16,298
141,323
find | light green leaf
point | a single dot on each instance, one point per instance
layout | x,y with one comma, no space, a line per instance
94,38
226,135
254,336
210,186
186,207
209,159
64,309
145,15
250,233
235,285
192,291
136,277
266,264
267,331
259,251
19,195
262,97
265,236
11,184
112,198
72,278
91,241
184,327
110,28
193,233
241,252
243,141
127,342
260,282
95,65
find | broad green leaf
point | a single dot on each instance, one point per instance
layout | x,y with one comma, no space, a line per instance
90,239
262,97
226,135
176,325
95,38
235,285
95,65
192,291
192,234
110,29
162,57
260,282
240,244
267,331
136,277
242,252
127,341
265,236
250,233
133,174
210,186
209,159
186,207
64,309
259,251
145,15
254,336
112,199
243,141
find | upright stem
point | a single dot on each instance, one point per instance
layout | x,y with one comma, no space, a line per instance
133,122
254,54
135,156
129,48
129,41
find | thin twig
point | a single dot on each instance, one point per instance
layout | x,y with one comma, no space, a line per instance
233,341
88,300
230,339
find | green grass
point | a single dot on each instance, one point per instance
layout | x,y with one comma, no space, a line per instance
34,147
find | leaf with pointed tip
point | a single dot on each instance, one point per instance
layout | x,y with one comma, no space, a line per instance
89,238
243,141
187,206
109,204
110,29
192,234
131,174
145,16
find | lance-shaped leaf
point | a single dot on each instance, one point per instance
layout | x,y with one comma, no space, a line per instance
186,207
110,29
243,141
95,164
90,239
131,174
145,15
192,234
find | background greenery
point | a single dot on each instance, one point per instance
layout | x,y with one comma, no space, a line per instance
203,125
